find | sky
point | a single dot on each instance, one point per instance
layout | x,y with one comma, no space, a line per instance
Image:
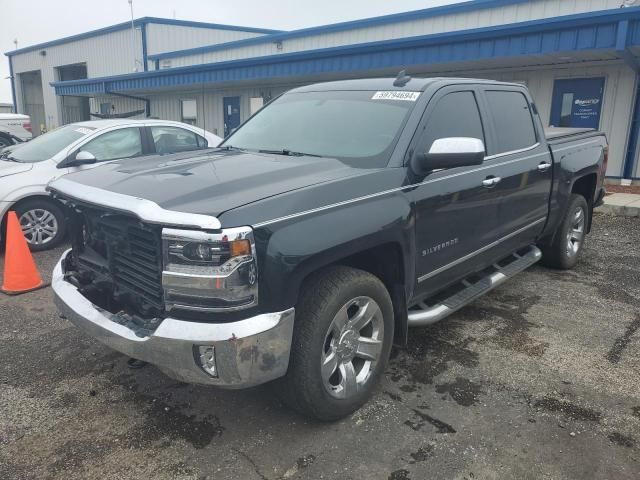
36,21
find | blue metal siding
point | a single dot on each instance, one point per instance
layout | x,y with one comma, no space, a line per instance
524,39
13,87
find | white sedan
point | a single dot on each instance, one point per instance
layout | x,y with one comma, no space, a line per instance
26,169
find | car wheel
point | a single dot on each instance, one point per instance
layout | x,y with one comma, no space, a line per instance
569,240
341,343
43,223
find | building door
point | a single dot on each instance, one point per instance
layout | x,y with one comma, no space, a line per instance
231,106
577,102
33,100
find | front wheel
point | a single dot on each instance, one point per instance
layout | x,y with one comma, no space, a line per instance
341,343
43,223
565,250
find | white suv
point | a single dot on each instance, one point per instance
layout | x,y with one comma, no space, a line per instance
14,128
26,169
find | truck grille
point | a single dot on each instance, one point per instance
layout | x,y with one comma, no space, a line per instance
129,254
137,264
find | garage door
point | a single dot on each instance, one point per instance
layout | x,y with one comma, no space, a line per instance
33,100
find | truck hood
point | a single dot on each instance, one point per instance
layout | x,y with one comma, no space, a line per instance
209,183
8,167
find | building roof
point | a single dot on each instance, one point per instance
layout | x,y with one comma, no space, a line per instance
611,31
138,22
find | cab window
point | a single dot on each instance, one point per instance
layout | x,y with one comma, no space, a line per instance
455,115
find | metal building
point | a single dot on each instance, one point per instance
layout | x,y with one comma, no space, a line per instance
579,58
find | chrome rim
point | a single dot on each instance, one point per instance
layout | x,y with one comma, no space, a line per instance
576,232
352,346
39,226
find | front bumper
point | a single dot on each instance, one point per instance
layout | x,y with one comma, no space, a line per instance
248,352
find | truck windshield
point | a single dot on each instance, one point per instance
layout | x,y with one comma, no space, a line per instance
349,125
47,145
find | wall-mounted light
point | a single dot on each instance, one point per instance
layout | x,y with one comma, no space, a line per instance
43,53
278,45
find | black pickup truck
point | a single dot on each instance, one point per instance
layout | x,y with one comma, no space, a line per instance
333,220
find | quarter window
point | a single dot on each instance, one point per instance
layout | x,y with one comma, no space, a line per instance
174,139
123,143
512,120
455,115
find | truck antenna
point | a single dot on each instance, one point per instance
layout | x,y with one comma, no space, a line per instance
402,79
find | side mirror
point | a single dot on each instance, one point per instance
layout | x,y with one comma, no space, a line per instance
450,152
81,158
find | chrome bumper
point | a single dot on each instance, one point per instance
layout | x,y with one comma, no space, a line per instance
248,352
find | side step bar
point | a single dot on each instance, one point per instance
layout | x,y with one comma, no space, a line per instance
423,314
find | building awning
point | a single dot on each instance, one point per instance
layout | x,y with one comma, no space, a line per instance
604,35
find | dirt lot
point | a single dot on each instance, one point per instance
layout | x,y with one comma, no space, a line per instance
540,379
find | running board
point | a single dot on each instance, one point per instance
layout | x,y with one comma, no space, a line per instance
423,314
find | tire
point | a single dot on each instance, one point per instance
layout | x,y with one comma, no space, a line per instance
43,222
568,241
5,141
333,298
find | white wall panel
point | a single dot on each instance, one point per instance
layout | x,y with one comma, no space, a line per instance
109,54
168,38
532,10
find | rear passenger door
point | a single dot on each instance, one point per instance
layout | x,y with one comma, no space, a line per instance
522,162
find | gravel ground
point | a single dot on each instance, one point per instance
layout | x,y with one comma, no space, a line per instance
539,379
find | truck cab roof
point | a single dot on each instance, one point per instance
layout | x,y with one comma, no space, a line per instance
386,84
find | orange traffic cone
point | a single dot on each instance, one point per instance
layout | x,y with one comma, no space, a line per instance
20,271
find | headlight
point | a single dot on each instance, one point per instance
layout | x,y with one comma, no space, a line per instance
209,272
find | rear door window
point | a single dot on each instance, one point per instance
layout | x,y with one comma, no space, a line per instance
512,120
455,115
174,139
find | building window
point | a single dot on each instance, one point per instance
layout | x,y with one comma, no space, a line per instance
255,104
189,109
105,108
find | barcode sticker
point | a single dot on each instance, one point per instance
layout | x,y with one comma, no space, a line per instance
396,95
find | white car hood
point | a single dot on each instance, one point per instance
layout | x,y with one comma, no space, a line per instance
11,168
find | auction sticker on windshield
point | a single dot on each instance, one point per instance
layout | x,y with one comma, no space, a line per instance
395,95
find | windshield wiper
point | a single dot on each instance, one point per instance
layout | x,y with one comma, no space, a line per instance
289,153
231,147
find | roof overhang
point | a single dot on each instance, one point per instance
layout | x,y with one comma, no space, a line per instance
605,35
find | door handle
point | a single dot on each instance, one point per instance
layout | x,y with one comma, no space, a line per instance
490,182
544,166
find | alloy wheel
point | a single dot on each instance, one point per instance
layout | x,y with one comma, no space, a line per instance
352,346
39,226
575,235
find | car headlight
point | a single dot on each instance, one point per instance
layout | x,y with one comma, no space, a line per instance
210,272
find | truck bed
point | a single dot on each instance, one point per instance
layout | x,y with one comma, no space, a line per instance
556,135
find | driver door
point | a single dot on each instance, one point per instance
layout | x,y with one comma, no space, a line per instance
115,144
456,208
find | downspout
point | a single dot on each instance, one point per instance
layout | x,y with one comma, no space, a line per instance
147,102
622,41
143,29
13,86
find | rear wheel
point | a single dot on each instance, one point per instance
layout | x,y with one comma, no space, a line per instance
565,250
341,343
43,223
